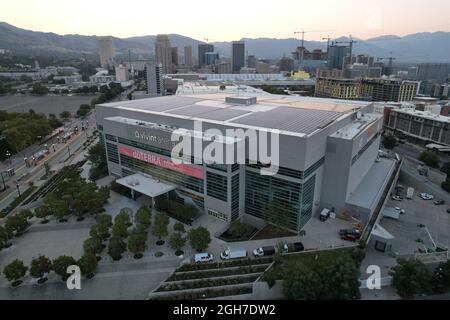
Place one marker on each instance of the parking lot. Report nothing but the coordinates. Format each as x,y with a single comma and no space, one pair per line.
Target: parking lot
409,230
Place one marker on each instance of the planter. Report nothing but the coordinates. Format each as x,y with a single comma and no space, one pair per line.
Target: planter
99,258
159,254
62,220
160,242
117,258
45,221
42,280
90,276
179,253
138,256
80,219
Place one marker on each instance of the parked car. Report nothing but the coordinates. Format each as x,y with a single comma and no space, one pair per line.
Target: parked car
426,196
324,215
397,198
203,257
298,247
264,251
235,253
350,237
448,210
350,232
402,211
439,202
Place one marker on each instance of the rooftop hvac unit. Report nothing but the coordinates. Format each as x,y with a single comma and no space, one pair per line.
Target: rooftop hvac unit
243,101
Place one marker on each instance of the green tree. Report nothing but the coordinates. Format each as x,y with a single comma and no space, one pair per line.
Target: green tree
199,238
65,115
97,156
120,230
389,142
88,265
137,244
39,89
124,216
411,277
61,264
15,271
143,216
302,283
40,266
430,159
159,228
441,278
179,227
4,237
100,231
16,223
43,212
177,242
104,218
92,246
116,247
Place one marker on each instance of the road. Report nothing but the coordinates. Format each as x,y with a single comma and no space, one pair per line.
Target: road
63,152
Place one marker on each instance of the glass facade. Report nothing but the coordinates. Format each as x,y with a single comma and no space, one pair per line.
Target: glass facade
112,152
217,186
177,178
297,174
235,197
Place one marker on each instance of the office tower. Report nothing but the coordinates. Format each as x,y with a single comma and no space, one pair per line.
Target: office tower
211,58
223,67
202,50
188,56
163,53
122,74
154,81
337,56
106,52
251,61
174,55
237,56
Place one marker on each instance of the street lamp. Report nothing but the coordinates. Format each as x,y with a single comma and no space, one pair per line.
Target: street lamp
18,188
8,154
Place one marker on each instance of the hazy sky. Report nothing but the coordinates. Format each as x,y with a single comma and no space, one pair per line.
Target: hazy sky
229,19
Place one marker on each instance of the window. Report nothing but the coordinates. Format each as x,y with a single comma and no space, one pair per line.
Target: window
112,152
216,186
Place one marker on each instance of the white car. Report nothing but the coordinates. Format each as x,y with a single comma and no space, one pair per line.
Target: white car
203,257
402,211
397,198
426,196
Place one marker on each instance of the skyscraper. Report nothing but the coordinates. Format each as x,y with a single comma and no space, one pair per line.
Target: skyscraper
202,50
174,54
337,56
237,56
251,61
106,52
211,58
188,56
154,81
163,53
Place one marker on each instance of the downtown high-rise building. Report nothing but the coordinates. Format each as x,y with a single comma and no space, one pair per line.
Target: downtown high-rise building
202,50
251,61
188,56
237,56
163,53
154,81
106,52
174,54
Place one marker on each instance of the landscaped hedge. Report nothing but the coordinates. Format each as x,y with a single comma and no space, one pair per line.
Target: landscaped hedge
206,283
207,294
216,273
227,264
23,196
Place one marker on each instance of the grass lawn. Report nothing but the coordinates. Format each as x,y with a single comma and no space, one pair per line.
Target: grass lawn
272,232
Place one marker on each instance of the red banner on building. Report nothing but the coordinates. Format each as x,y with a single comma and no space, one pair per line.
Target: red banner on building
162,162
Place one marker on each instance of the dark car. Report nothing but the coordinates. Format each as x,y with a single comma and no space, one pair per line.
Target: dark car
350,232
448,210
298,247
350,237
439,202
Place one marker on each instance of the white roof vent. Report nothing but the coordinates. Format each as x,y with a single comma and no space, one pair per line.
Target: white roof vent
242,101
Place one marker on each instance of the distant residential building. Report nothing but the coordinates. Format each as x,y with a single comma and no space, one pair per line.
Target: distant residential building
174,55
422,126
434,71
223,67
204,48
338,88
337,56
441,90
358,70
102,78
251,61
329,73
163,53
237,56
389,90
188,56
154,80
68,79
137,65
246,70
286,64
122,74
106,52
211,58
262,67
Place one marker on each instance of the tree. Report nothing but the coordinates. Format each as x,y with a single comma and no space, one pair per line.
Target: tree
137,244
143,216
43,212
88,264
104,218
61,264
15,271
177,242
65,115
97,156
39,89
302,283
411,277
430,159
39,267
16,223
116,247
4,237
100,231
124,216
199,238
179,227
159,228
120,230
441,278
389,142
92,246
47,169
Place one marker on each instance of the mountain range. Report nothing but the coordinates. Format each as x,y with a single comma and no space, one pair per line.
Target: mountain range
419,47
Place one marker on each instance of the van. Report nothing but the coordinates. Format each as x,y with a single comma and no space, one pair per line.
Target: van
203,257
324,215
236,253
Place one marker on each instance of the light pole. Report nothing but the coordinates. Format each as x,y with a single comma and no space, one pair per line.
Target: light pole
18,188
8,154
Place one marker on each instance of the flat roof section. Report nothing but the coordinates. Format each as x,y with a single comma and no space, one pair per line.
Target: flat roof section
145,184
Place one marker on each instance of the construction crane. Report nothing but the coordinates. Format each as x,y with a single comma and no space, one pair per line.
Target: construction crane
303,42
391,59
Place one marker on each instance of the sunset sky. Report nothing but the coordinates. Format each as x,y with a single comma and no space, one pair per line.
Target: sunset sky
229,19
